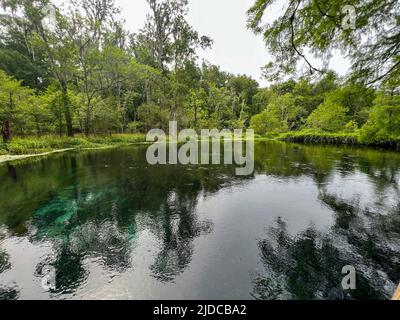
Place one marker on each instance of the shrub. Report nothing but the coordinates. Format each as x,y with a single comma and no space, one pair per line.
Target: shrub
266,123
135,127
328,117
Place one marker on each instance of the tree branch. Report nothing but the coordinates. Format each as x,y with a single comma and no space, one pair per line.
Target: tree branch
292,18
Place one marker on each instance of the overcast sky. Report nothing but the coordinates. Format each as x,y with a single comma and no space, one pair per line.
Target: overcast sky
235,48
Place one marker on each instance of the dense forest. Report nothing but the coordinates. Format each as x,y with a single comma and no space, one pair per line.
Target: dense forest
73,69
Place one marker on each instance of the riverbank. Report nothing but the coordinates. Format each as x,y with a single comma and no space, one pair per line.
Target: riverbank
9,158
351,139
22,148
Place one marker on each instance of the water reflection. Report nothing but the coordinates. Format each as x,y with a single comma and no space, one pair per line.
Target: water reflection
104,215
308,265
6,293
178,227
92,206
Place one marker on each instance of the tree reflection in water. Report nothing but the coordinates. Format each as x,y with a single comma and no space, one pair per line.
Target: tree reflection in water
110,240
309,265
91,210
99,215
180,227
6,293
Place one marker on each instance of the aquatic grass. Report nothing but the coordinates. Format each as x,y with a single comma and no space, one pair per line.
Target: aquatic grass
320,137
37,145
341,138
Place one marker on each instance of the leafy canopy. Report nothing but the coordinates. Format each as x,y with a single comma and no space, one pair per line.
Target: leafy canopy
307,28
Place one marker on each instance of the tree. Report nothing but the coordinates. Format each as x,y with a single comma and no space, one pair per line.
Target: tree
261,99
315,26
19,55
28,15
356,98
152,117
59,52
384,120
243,88
86,24
328,117
288,113
169,41
265,123
52,99
14,99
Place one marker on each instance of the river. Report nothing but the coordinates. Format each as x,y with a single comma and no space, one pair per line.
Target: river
106,225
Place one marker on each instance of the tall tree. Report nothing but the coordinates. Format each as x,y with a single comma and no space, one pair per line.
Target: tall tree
29,15
171,42
86,23
319,27
14,99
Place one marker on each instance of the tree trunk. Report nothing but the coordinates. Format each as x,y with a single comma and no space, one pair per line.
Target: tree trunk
88,119
195,116
147,90
6,132
66,107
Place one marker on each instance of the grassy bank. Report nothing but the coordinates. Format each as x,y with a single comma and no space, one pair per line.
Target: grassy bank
39,145
353,139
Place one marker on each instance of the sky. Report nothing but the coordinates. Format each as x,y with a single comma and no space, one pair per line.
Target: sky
236,49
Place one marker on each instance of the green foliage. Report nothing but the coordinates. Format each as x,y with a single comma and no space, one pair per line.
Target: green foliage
328,117
320,137
350,127
88,76
35,145
153,117
317,26
134,127
357,99
384,120
265,123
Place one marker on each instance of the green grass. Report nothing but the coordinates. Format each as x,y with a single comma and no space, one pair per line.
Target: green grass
341,138
37,145
320,137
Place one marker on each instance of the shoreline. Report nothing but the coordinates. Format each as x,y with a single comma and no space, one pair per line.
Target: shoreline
11,158
303,138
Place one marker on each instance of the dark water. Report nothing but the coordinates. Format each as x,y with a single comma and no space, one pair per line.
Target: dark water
113,227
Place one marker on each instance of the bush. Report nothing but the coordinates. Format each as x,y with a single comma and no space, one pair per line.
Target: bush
320,137
383,125
3,150
328,117
135,127
266,123
350,127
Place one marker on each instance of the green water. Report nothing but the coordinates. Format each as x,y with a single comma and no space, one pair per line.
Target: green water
111,226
